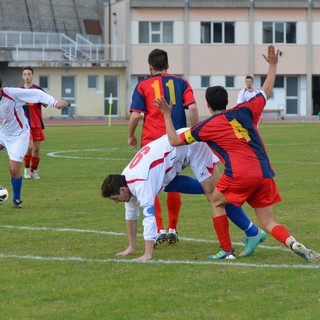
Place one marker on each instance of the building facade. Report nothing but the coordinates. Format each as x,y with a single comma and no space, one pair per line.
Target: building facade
209,42
220,42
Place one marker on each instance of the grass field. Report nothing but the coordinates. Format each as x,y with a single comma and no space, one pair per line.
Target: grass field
57,254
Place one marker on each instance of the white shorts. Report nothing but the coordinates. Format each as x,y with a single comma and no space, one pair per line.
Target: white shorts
204,162
16,145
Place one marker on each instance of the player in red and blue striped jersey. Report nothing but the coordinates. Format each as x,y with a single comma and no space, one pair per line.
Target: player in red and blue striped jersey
177,90
248,176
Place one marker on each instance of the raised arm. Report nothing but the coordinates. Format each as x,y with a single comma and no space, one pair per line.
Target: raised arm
272,59
193,114
174,139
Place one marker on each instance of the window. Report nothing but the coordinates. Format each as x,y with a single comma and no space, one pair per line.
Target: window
279,32
205,81
111,90
92,82
229,82
155,32
279,82
217,32
44,82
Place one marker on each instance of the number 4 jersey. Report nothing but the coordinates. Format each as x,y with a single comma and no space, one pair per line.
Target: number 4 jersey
234,137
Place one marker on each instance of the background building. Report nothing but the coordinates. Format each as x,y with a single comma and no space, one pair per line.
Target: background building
84,50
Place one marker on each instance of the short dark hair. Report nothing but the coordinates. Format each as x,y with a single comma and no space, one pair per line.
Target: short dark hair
158,59
249,77
111,185
217,98
28,68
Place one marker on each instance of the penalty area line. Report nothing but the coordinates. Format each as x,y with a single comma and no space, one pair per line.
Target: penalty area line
184,262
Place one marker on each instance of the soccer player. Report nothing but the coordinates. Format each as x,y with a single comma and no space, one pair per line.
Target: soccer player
15,130
248,92
34,115
154,169
248,176
179,91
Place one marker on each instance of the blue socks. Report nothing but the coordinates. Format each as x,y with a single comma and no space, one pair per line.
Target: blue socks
189,185
16,186
184,184
240,219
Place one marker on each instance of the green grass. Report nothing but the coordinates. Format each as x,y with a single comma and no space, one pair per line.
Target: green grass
51,270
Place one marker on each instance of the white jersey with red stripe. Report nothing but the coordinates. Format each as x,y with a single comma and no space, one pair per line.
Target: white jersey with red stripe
156,165
12,117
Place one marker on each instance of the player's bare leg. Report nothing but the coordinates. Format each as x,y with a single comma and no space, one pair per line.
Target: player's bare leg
126,252
148,252
132,229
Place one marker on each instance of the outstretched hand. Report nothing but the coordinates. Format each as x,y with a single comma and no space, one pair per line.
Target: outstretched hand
61,104
273,55
162,104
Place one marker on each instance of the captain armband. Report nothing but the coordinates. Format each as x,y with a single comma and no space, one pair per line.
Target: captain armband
188,137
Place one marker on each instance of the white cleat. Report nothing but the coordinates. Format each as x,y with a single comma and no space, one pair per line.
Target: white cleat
304,252
27,174
35,175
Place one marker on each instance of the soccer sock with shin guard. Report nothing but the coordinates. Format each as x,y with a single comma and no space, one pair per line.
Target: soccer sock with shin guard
16,186
221,226
173,206
240,219
158,213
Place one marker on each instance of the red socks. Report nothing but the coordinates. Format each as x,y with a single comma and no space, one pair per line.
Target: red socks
173,205
221,226
158,213
280,233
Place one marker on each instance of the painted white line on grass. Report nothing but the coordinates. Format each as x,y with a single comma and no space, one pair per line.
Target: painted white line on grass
189,262
60,154
125,234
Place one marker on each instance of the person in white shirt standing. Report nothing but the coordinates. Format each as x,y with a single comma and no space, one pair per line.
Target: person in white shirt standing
15,130
248,92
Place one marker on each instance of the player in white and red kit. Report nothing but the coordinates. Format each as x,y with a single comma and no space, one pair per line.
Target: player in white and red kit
154,169
15,130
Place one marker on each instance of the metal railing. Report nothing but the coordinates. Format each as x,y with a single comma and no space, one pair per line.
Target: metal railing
41,46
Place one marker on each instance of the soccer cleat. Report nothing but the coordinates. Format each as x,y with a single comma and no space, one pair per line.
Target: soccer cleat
223,255
34,175
172,236
27,174
17,204
161,237
303,251
251,243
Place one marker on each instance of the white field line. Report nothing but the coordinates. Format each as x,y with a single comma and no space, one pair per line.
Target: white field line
229,263
80,259
112,233
64,154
